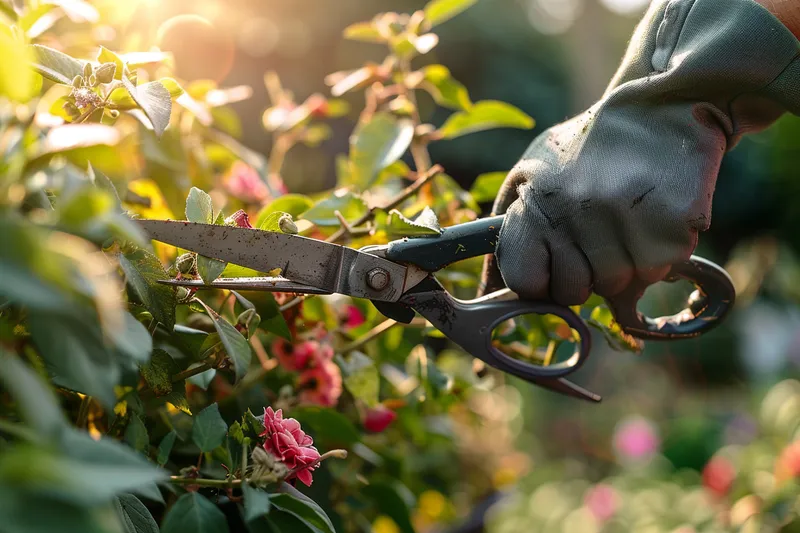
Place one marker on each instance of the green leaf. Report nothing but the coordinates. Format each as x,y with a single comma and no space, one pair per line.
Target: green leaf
256,502
331,428
203,379
178,397
305,510
602,319
155,100
36,403
438,11
484,115
123,100
209,428
194,513
134,515
199,208
159,371
165,447
487,186
388,501
90,367
361,377
209,268
235,344
103,468
351,206
376,144
102,182
56,66
363,31
294,204
269,221
133,339
17,81
107,56
446,90
142,271
425,224
136,434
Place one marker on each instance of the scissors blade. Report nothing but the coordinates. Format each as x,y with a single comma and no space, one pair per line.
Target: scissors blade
326,266
270,284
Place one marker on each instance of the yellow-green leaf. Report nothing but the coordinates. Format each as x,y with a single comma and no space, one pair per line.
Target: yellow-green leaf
487,186
363,31
376,144
438,11
17,81
446,90
349,205
55,65
425,224
485,115
107,56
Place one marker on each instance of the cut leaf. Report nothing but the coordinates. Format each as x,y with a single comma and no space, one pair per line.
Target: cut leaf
155,100
376,144
134,515
438,11
56,66
194,513
446,90
425,224
294,204
143,270
271,221
350,205
484,115
200,209
487,186
209,428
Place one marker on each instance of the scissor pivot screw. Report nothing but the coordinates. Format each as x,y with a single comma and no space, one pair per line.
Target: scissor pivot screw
378,279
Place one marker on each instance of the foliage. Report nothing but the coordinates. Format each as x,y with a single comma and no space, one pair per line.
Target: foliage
129,405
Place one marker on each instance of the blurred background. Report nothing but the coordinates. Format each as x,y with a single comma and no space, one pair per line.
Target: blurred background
667,414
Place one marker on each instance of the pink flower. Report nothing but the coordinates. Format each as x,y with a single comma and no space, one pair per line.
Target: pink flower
602,501
239,219
294,358
378,418
788,464
321,384
636,439
718,476
243,182
286,441
354,317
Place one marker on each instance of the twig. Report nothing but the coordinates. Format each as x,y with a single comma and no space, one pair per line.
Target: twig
368,336
199,369
398,199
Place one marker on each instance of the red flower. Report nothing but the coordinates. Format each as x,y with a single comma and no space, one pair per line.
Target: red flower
286,441
718,476
378,418
294,357
354,317
321,384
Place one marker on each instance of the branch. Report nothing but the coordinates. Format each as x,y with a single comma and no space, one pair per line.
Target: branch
368,336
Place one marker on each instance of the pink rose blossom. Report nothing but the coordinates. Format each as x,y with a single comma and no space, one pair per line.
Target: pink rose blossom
321,384
285,440
294,358
244,183
239,219
602,501
636,439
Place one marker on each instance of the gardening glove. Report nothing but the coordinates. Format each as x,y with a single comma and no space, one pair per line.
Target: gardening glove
620,192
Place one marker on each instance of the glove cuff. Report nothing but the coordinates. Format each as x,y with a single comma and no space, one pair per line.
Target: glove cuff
733,54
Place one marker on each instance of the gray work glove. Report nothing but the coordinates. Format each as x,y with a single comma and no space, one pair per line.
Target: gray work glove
621,191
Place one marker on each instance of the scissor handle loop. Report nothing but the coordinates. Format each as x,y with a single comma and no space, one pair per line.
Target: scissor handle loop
705,309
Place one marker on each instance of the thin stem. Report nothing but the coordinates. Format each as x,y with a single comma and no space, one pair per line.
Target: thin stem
83,411
199,369
85,115
335,454
370,335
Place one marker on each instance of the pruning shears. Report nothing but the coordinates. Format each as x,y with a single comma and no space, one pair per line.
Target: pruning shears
398,278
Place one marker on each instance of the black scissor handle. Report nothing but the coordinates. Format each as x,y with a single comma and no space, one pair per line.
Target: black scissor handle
705,309
469,323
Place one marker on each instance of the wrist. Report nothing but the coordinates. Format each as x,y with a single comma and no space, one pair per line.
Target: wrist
786,11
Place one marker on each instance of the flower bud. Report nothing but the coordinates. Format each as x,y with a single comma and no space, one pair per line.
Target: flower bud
77,81
87,69
105,73
248,321
113,113
186,263
287,225
378,419
93,80
239,219
183,294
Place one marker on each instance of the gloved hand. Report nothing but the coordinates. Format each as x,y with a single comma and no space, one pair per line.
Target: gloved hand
620,192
